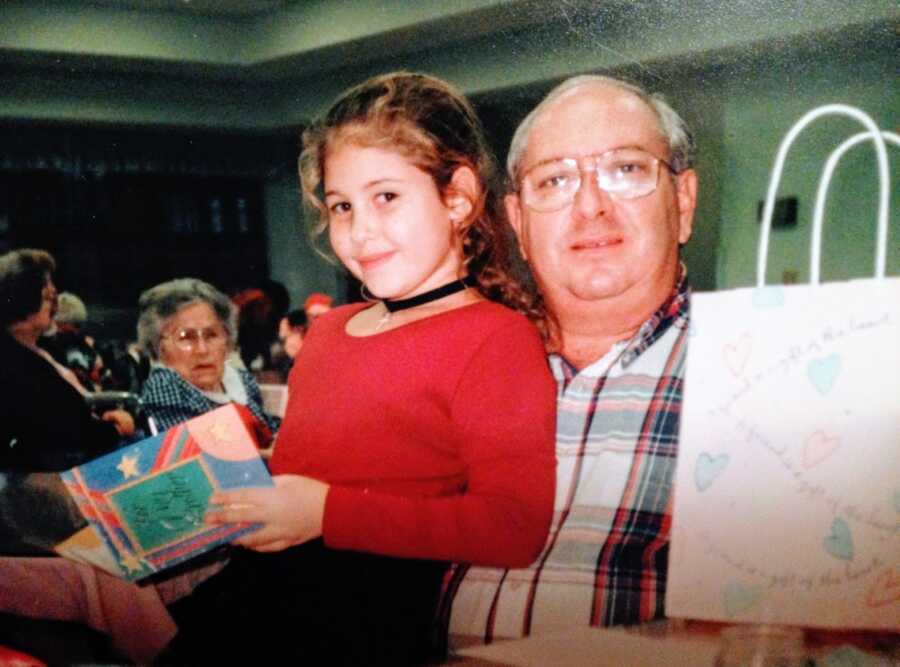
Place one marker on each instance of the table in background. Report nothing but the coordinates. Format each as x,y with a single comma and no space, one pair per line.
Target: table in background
673,643
274,397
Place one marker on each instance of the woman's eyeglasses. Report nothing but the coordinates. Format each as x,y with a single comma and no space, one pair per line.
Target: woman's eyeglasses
189,339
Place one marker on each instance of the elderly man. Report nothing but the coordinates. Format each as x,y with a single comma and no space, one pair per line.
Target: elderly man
603,198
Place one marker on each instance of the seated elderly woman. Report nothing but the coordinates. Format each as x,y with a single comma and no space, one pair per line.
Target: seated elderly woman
45,423
188,327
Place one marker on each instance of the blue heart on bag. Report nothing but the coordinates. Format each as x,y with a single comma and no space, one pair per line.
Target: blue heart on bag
768,297
840,542
708,468
823,372
738,598
846,656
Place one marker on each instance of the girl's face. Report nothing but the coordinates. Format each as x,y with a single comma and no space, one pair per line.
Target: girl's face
388,223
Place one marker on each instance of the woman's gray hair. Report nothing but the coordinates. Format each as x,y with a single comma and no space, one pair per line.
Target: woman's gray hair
158,304
70,309
671,125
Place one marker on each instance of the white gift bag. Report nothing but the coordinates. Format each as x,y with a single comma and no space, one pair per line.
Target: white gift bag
787,491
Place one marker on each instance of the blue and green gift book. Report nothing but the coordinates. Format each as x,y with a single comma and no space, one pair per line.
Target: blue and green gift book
144,504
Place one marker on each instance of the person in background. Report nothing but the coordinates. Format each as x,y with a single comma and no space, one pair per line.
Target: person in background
603,197
410,438
71,313
188,328
279,297
71,349
291,330
45,424
255,330
124,367
316,304
67,343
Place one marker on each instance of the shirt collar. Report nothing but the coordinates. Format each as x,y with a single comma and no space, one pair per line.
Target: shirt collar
673,311
231,381
234,388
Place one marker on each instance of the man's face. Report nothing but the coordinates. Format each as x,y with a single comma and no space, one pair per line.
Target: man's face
598,247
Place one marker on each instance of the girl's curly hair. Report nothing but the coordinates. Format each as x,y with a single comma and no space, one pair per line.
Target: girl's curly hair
433,126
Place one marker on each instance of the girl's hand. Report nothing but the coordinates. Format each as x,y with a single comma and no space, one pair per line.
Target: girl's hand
291,512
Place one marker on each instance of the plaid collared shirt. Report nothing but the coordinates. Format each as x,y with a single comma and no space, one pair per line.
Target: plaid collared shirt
170,399
606,555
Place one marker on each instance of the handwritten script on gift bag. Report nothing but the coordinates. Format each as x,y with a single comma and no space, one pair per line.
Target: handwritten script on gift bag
788,498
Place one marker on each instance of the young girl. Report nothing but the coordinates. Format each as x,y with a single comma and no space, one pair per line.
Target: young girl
420,426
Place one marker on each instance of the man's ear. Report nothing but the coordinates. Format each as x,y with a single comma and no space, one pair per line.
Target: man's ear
461,194
686,193
514,214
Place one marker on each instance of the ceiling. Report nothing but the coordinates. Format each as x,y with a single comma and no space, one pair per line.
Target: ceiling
248,39
205,7
209,62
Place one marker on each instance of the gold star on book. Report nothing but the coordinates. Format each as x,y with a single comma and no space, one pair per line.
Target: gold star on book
128,466
131,563
220,431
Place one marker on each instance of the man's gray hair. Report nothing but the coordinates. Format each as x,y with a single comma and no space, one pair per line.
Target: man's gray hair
671,125
161,302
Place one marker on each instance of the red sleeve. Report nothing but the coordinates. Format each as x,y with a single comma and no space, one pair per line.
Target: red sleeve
505,409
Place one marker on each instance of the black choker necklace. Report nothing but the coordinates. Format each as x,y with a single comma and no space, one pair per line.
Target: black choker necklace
393,305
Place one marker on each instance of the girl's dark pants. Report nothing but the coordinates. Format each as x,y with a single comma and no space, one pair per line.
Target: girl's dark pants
309,605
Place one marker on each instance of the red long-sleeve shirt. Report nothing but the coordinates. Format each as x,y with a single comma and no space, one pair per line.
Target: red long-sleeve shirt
437,437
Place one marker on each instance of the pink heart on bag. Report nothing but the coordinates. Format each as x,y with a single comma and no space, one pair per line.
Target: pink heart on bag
736,355
885,589
819,447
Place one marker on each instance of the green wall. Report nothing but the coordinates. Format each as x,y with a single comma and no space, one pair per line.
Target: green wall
759,110
292,259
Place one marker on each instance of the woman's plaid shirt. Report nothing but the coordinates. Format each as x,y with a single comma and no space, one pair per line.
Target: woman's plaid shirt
606,555
170,399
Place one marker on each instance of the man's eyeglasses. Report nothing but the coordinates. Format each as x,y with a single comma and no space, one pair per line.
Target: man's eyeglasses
188,339
625,173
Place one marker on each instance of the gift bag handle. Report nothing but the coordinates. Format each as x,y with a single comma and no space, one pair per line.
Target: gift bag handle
821,195
881,151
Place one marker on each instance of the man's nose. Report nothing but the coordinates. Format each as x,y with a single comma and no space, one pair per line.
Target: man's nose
591,200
